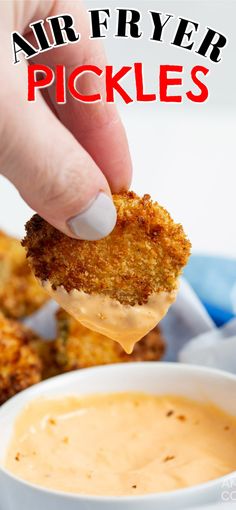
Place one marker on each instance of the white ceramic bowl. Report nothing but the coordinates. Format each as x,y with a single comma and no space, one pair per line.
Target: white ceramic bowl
195,382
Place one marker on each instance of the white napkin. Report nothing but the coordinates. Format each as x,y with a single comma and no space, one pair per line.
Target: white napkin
216,348
43,321
186,319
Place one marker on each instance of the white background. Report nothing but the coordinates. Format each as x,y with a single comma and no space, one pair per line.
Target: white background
183,155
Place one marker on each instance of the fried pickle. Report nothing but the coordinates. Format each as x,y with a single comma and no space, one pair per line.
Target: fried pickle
46,351
20,364
20,293
143,255
78,347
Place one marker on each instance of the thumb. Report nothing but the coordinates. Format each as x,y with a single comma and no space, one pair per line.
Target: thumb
52,172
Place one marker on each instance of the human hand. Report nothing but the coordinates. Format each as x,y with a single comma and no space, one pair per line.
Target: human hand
64,159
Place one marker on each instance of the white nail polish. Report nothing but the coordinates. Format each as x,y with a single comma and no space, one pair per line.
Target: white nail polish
97,221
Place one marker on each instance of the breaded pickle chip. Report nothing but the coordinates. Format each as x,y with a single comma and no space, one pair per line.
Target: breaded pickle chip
20,363
143,255
20,293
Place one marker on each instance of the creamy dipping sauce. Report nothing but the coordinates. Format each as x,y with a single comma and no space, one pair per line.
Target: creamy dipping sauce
123,323
121,444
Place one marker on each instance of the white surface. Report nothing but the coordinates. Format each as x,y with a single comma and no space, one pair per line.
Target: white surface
158,378
186,161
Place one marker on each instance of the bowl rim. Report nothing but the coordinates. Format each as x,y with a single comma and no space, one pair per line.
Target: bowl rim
170,495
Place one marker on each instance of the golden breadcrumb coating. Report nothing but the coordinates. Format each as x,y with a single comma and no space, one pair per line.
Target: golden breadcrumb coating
145,253
46,350
20,365
20,293
79,347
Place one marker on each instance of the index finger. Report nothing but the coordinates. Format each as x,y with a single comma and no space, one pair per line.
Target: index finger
97,126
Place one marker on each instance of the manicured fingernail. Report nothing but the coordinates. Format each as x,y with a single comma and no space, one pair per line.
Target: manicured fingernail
97,221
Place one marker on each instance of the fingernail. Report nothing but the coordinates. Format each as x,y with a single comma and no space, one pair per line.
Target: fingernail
97,221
